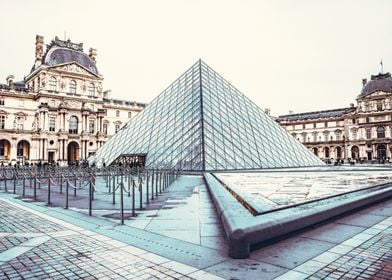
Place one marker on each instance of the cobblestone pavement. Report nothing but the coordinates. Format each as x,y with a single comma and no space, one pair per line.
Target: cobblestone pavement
367,255
34,246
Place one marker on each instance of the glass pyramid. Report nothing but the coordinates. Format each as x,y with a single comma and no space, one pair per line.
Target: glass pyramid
202,122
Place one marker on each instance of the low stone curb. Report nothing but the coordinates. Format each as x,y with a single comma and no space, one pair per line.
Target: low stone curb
243,229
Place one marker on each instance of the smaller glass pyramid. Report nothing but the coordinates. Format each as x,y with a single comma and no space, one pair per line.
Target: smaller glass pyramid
201,122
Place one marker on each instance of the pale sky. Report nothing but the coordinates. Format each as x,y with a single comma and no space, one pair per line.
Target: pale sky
304,55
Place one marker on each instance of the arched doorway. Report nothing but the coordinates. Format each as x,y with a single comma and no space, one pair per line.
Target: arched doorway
338,152
326,152
5,148
73,152
315,151
23,151
381,152
354,152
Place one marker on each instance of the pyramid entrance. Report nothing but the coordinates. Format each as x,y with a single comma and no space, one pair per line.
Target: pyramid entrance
201,122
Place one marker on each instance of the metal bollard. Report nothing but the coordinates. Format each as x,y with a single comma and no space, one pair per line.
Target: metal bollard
133,198
24,187
75,185
48,189
140,193
152,185
114,192
35,188
156,183
66,194
147,179
122,199
90,196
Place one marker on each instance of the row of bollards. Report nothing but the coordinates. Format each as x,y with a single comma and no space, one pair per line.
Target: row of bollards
118,180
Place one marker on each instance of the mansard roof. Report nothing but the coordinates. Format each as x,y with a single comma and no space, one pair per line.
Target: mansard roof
61,52
380,82
334,113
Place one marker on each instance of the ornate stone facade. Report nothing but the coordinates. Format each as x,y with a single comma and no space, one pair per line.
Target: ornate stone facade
59,112
361,133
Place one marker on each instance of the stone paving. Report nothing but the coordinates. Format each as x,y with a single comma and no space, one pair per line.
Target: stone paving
68,252
367,255
37,242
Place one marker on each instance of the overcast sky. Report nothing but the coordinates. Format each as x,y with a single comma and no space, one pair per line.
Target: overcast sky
304,55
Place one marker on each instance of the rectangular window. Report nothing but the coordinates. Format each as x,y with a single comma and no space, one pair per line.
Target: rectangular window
379,105
117,128
314,125
19,123
1,100
368,133
117,113
52,123
91,126
325,124
303,126
105,128
2,122
129,115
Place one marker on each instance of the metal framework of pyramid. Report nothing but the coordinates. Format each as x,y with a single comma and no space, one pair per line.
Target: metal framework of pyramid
201,122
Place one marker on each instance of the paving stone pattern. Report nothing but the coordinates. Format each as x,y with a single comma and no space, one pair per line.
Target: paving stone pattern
69,254
75,257
371,260
13,219
7,242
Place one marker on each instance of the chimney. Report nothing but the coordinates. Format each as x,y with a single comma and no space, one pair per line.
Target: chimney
106,94
267,111
10,80
351,105
364,81
93,55
291,112
39,50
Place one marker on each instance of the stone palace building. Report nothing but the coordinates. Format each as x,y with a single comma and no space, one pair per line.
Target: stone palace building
59,112
362,132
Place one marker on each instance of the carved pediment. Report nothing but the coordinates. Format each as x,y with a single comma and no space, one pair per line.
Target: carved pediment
21,114
74,68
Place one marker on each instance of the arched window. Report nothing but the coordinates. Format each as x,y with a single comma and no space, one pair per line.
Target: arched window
91,90
326,152
53,83
72,86
73,125
380,132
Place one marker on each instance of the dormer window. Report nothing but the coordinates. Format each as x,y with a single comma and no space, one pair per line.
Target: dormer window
379,105
72,86
91,90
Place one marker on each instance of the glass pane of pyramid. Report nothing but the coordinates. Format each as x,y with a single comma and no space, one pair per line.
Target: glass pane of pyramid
202,122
